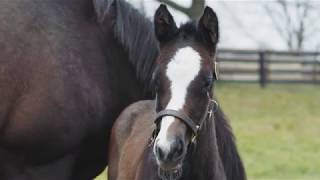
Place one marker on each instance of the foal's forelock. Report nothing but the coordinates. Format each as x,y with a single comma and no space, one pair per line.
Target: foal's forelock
181,70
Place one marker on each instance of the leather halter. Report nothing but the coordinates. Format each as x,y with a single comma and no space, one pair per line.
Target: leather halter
178,114
211,108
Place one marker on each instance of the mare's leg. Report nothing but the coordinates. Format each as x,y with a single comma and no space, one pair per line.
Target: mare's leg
15,167
11,167
113,157
92,158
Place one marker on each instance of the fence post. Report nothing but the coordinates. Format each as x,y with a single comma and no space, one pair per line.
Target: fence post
316,71
262,69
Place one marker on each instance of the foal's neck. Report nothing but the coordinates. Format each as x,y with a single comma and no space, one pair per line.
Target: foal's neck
205,162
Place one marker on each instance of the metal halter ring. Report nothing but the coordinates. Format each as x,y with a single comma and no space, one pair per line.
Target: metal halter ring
215,106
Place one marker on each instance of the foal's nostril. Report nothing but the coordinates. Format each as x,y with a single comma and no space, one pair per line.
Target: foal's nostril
176,150
174,153
159,153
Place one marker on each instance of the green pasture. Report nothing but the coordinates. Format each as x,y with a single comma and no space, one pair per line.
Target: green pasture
277,129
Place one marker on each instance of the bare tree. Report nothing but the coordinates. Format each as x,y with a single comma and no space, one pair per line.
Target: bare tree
193,12
294,21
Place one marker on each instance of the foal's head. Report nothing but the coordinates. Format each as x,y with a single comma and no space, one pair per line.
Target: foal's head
183,79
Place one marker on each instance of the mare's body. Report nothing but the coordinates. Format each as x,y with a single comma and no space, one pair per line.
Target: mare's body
64,78
63,81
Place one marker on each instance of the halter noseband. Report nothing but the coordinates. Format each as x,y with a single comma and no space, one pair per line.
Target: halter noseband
211,108
180,115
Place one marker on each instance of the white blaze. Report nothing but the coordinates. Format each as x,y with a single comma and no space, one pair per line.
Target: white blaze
181,71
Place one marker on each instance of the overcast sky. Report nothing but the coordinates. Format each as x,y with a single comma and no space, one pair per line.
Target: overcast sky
244,24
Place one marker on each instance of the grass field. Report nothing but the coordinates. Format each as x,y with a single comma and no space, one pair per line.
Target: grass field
277,128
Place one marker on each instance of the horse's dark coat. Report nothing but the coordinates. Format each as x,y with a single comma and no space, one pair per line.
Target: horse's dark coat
64,78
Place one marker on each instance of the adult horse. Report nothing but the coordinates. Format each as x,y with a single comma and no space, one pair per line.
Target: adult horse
184,143
67,69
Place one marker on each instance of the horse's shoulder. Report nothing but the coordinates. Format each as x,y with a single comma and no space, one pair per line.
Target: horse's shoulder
135,111
133,123
138,108
132,115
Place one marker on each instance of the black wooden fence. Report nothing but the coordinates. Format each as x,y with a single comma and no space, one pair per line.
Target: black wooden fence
268,66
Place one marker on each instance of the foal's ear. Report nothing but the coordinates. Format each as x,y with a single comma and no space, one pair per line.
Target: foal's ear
209,26
165,26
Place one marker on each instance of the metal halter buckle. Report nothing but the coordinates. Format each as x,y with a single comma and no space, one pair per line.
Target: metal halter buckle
212,106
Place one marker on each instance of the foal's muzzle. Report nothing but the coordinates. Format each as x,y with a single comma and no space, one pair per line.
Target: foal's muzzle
173,157
171,153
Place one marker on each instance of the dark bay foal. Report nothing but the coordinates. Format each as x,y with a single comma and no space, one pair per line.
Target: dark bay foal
132,157
173,137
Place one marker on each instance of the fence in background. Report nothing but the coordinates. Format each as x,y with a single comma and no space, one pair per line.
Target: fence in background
265,67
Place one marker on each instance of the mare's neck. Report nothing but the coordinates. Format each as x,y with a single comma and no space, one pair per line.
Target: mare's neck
205,162
134,32
82,8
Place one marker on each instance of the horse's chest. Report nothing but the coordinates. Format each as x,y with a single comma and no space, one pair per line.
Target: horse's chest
50,123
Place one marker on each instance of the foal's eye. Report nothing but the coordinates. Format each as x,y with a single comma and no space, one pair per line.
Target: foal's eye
156,85
155,78
208,82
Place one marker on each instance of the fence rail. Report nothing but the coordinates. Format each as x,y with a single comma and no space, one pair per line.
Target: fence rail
269,66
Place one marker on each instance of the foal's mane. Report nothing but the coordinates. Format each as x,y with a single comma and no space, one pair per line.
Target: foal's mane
134,32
